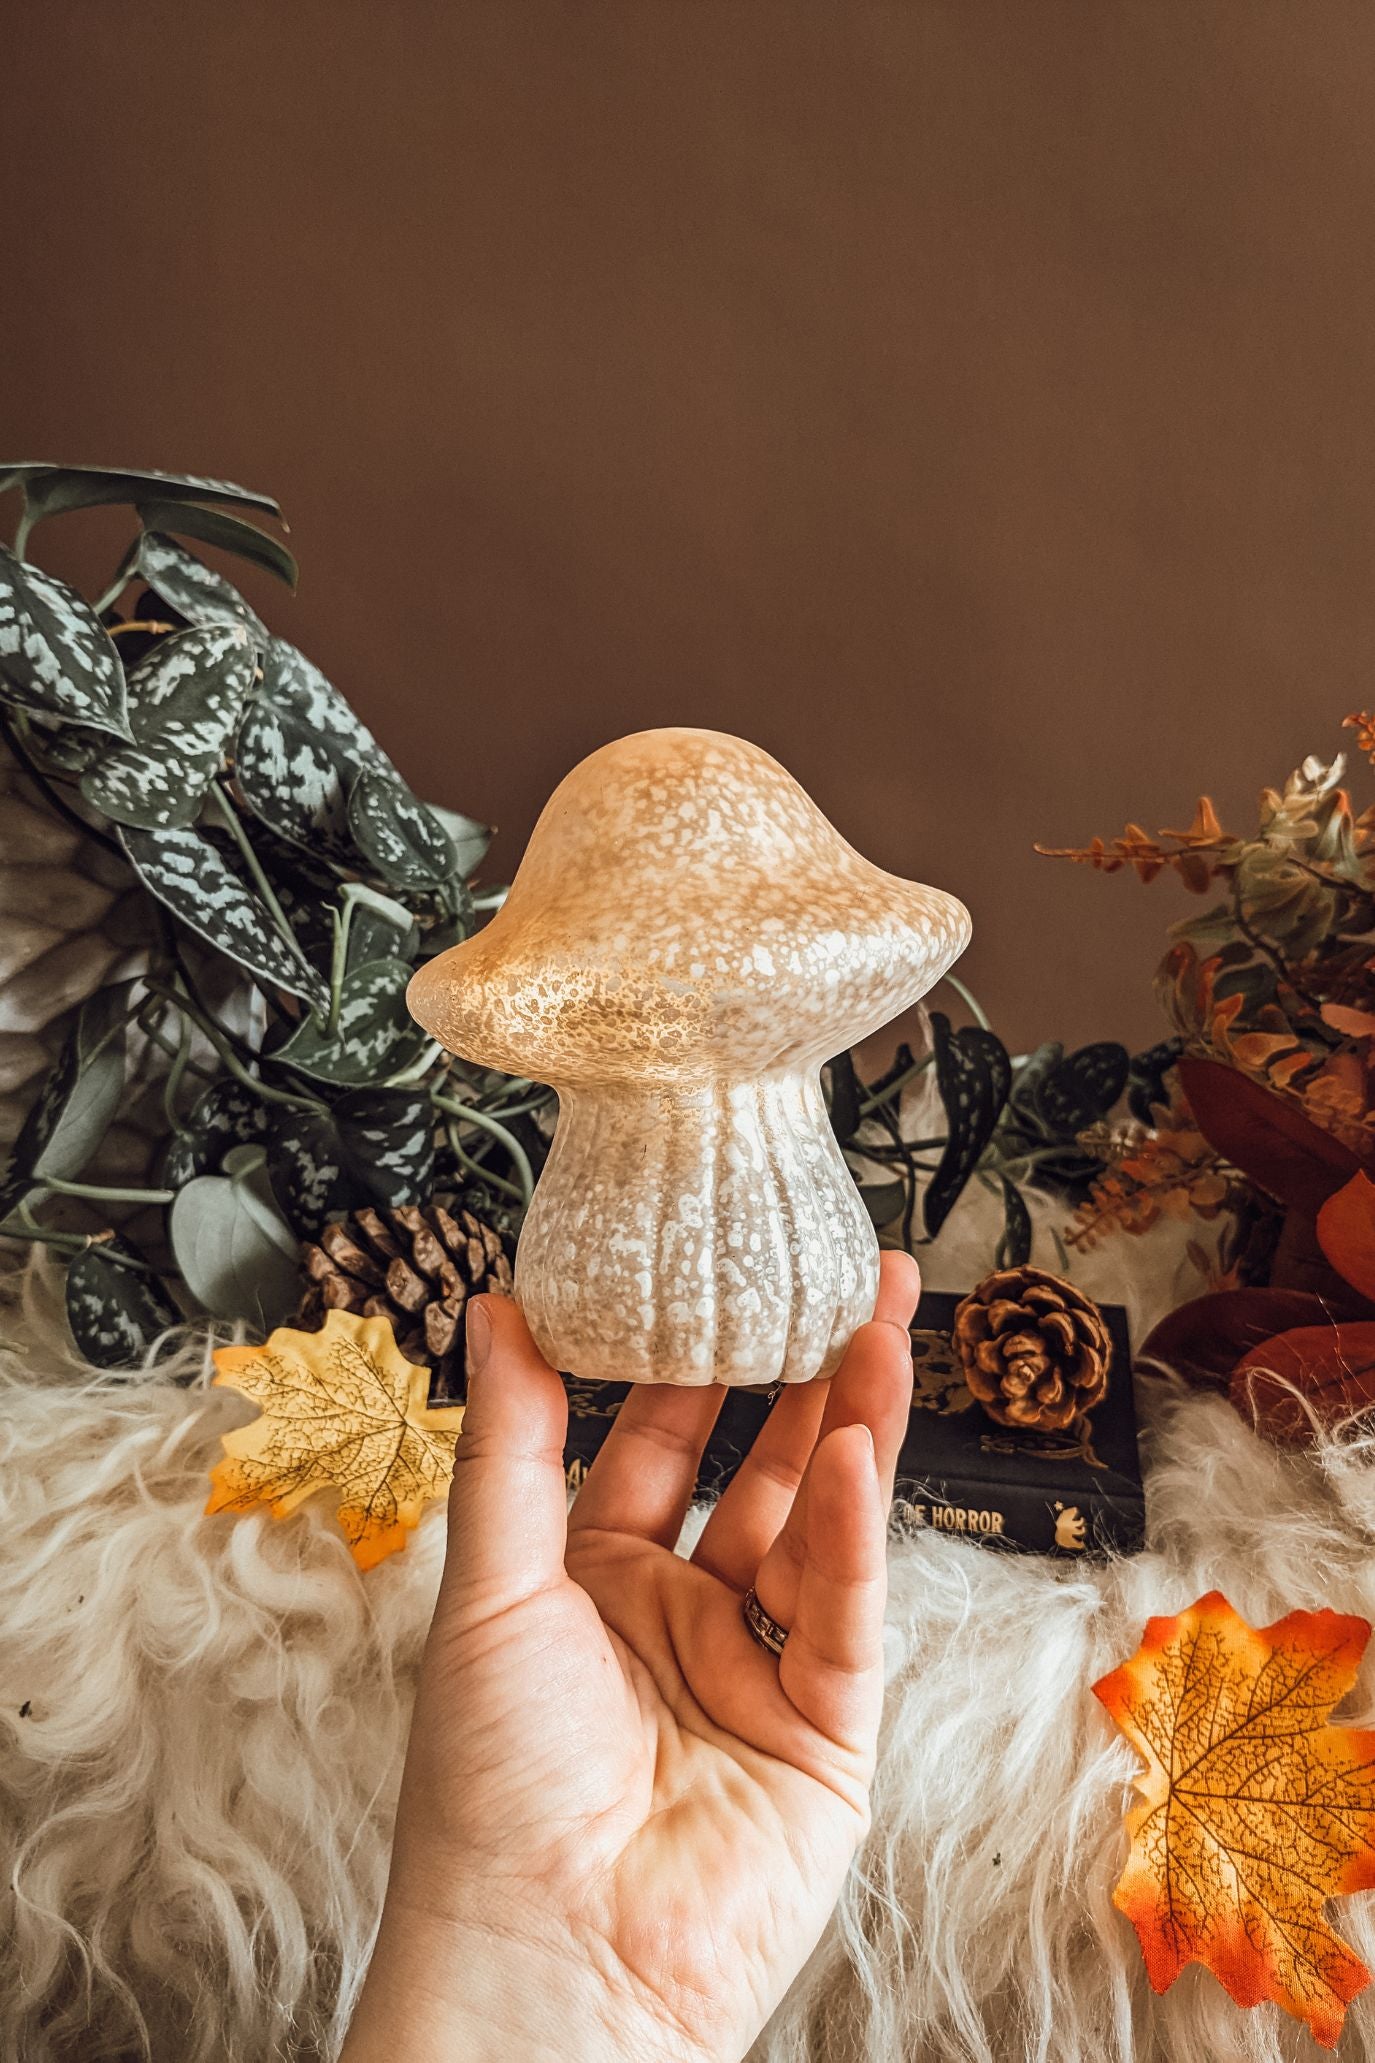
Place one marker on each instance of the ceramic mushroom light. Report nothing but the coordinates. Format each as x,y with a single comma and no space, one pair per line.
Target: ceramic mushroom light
686,941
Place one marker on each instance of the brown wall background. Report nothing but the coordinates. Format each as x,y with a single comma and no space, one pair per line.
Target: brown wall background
969,401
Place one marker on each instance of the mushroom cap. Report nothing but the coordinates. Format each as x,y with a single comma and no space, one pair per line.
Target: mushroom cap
683,909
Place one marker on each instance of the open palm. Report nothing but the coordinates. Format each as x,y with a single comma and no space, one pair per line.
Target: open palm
628,1820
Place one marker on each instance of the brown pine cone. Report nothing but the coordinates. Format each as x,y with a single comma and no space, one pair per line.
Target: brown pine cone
418,1267
1034,1348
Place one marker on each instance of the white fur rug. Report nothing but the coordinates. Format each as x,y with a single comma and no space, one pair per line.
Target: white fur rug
202,1724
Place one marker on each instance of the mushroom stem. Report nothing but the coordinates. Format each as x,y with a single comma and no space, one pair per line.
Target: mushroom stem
707,1231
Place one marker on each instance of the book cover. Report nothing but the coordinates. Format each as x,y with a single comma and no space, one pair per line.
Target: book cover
1071,1493
1065,1494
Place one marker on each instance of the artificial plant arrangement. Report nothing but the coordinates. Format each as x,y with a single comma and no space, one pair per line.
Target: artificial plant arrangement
1268,1109
235,885
1009,1123
268,883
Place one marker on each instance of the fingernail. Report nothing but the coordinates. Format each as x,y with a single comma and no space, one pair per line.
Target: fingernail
478,1334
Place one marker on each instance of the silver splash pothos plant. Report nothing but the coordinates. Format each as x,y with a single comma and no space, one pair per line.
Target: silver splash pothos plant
292,882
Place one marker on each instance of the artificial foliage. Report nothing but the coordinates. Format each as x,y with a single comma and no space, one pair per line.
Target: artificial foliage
1266,1114
277,883
280,884
1009,1124
1253,1809
340,1410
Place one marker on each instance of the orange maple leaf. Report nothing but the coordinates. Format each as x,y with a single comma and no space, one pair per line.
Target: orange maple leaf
1253,1809
342,1410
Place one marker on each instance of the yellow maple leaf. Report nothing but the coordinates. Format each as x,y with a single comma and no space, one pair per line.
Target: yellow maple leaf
341,1409
1253,1809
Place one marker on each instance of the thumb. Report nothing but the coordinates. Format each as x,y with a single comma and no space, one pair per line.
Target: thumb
508,1502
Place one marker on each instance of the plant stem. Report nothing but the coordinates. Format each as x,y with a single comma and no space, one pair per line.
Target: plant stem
338,962
93,1193
254,865
504,1110
971,1003
408,1077
26,522
172,1080
122,630
466,1114
466,1160
76,1243
1262,945
510,1085
70,1241
220,1041
111,595
894,1088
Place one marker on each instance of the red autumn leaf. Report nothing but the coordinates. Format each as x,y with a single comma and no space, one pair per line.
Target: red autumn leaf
1266,1137
1316,1374
1203,1341
1346,1233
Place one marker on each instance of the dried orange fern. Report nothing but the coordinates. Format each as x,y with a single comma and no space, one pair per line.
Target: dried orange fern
1197,855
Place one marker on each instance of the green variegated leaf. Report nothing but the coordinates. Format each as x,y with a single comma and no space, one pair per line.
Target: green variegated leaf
77,1102
295,777
229,533
64,748
184,700
50,490
376,916
399,834
189,588
227,1115
1082,1087
375,937
376,1146
299,748
974,1074
468,838
305,890
388,1137
55,656
192,879
237,1255
115,1312
376,1035
305,1160
457,922
294,684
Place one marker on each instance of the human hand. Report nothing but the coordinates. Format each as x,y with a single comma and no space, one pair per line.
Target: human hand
623,1824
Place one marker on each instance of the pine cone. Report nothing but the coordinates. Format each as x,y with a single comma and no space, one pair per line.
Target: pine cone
1034,1348
417,1267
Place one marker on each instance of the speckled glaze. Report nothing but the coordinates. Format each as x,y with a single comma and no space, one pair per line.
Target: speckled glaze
686,941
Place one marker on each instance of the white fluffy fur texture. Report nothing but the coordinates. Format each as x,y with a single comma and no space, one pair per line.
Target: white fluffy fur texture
202,1723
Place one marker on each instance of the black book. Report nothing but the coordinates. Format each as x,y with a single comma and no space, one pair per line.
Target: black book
1065,1494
